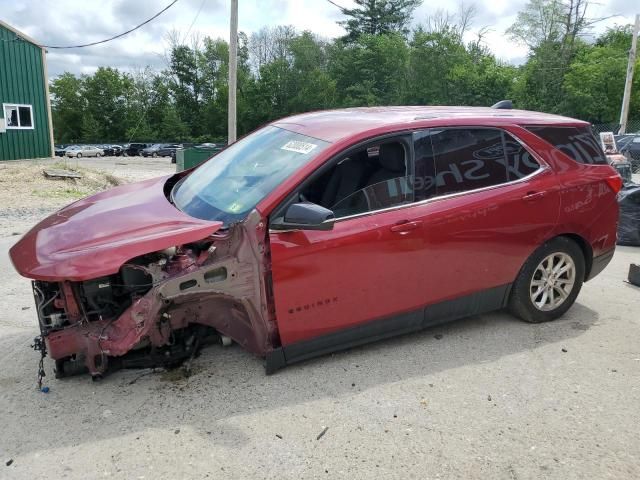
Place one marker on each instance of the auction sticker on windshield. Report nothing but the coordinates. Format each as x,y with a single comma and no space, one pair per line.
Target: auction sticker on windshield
298,146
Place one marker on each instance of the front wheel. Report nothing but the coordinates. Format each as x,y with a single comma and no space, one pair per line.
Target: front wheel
549,281
98,155
79,155
155,155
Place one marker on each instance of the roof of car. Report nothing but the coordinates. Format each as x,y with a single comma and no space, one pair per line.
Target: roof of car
334,125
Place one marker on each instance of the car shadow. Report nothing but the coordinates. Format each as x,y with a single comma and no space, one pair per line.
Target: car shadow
228,382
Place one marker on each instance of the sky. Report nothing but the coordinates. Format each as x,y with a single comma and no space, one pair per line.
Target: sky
69,22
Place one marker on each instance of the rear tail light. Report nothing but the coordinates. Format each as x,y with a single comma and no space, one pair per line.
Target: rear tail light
614,182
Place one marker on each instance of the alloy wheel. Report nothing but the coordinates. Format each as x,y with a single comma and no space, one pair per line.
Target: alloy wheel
552,281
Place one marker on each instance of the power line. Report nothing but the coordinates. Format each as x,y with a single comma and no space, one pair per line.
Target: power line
336,5
194,19
116,36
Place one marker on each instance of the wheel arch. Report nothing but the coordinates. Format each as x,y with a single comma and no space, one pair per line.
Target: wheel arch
586,249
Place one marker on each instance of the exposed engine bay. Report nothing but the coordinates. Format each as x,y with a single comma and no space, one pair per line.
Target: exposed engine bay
160,308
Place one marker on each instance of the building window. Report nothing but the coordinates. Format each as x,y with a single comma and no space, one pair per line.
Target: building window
18,116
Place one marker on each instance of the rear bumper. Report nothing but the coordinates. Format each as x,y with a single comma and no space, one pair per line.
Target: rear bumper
599,263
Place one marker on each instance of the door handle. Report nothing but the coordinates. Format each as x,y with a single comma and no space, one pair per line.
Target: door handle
406,226
531,196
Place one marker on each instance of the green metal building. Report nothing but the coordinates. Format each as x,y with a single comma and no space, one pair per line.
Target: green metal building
25,114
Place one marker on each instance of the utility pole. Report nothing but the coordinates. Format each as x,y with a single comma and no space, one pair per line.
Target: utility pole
624,113
233,72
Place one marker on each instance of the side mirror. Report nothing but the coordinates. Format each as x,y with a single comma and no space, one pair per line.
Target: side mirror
305,216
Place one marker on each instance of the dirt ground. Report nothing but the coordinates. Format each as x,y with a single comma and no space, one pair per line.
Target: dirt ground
39,196
487,397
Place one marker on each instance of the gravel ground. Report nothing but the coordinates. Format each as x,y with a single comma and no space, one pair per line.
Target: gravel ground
486,397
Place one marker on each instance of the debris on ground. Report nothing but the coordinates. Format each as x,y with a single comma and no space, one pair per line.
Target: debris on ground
438,336
279,436
324,430
634,274
564,350
60,173
489,397
629,218
9,462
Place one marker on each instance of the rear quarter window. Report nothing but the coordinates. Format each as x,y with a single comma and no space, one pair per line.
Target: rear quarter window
579,143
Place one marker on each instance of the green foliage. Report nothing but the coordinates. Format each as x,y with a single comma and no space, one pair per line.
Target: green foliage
371,70
282,72
378,17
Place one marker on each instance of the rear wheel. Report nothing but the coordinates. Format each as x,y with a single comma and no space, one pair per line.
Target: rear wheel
155,155
549,281
98,155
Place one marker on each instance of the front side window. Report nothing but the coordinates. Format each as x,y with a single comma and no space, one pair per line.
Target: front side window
18,116
373,177
579,143
228,186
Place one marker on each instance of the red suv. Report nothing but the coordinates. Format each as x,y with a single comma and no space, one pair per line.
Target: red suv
326,230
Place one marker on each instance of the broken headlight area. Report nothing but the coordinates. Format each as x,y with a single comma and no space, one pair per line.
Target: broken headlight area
158,310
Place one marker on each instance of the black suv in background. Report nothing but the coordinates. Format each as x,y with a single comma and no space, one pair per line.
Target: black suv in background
133,149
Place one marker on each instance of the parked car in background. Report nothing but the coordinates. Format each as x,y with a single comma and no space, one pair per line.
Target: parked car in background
212,146
112,150
327,230
84,151
159,150
60,150
181,146
169,150
133,149
629,146
616,159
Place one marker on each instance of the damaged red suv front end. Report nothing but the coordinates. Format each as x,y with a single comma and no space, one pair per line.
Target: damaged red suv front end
324,231
124,278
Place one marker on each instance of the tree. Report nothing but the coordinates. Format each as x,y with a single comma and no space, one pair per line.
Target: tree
371,70
68,104
540,22
594,82
378,17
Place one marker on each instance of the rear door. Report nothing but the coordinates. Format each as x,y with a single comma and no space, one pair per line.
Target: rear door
488,205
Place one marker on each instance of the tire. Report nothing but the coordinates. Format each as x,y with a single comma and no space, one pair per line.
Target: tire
98,155
79,155
155,155
537,298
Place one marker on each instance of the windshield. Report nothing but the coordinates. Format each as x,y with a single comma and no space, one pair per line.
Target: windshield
232,183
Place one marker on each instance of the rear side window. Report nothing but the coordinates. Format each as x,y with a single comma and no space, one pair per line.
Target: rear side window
520,163
578,143
454,160
467,159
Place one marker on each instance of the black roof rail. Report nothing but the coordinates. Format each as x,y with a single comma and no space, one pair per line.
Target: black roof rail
503,105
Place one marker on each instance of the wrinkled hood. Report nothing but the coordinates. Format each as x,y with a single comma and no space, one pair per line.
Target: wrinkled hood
94,236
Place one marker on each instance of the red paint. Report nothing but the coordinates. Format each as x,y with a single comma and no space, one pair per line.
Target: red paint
368,267
93,237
